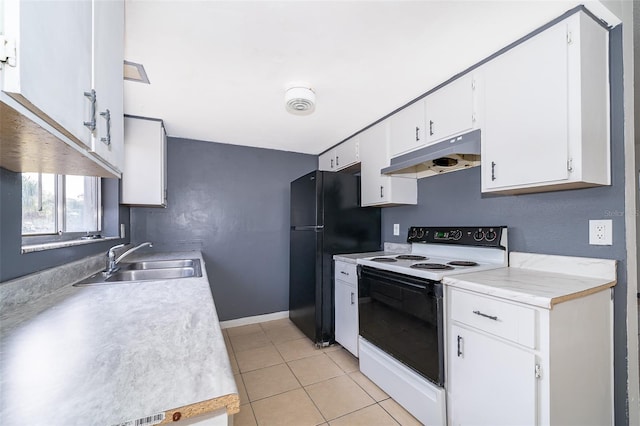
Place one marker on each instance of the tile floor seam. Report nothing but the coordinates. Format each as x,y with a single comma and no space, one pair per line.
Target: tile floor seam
360,409
389,413
315,405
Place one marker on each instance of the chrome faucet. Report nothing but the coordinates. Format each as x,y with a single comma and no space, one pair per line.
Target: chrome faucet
112,261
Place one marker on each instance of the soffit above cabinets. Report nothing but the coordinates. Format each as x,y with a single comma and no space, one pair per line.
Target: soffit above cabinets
219,69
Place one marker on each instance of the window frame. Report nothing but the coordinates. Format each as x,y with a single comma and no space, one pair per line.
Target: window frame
60,234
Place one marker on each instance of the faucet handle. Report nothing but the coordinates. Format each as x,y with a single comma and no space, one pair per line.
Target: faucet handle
111,253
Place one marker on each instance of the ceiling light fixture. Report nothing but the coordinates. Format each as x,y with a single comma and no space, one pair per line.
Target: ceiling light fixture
300,100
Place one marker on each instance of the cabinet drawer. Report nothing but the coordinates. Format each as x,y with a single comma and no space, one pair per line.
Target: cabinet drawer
506,320
346,272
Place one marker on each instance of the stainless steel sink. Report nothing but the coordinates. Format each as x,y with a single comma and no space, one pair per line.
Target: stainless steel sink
161,264
151,270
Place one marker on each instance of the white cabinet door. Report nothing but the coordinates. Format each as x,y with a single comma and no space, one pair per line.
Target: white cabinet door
378,189
491,382
525,138
450,110
407,129
346,316
347,153
326,161
144,178
53,69
108,139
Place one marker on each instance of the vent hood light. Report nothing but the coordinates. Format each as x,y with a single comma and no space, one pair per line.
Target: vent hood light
457,153
135,72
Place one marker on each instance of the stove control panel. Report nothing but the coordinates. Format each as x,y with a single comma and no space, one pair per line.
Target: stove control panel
490,236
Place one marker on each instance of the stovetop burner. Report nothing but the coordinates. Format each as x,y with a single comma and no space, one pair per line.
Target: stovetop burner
431,266
462,263
411,257
384,259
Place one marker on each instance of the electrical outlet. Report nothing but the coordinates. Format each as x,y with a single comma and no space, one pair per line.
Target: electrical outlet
396,229
601,232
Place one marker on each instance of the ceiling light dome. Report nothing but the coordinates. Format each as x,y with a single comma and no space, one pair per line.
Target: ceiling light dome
300,100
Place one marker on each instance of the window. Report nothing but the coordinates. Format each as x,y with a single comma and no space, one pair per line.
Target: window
66,206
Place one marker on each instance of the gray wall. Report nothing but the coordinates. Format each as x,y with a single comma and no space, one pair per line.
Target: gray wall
232,203
551,223
13,264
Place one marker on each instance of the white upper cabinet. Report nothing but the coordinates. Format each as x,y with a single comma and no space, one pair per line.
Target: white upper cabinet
108,139
326,161
407,131
67,70
451,110
340,157
546,116
347,153
377,189
52,62
144,178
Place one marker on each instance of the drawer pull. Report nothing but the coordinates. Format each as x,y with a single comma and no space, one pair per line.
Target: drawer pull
485,315
344,273
460,341
352,301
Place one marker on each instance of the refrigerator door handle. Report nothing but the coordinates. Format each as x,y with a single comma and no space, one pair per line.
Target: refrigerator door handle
316,228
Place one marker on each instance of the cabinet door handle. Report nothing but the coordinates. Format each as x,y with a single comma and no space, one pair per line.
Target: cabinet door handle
493,171
460,343
91,125
107,117
417,133
430,128
352,298
491,317
332,163
381,191
344,273
337,161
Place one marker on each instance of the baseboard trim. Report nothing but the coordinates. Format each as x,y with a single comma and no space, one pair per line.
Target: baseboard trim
254,320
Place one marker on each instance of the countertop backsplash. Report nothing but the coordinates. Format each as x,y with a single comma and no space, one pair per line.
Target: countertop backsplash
26,289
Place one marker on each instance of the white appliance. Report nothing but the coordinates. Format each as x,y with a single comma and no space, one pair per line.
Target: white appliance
400,297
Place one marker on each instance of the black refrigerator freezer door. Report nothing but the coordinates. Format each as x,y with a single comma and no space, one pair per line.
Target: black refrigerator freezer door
305,291
306,200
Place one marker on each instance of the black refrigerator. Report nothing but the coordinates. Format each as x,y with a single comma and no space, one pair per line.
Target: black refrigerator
326,219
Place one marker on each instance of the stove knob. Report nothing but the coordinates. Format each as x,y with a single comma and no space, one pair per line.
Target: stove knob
478,235
413,233
491,235
420,232
456,234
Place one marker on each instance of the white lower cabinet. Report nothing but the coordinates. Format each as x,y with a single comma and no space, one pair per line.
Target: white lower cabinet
346,306
515,364
493,381
144,178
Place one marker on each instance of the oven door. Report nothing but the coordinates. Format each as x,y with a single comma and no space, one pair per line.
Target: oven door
402,315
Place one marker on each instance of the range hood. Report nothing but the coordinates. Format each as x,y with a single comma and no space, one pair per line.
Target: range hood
460,152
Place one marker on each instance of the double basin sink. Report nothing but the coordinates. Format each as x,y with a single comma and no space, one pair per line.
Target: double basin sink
148,270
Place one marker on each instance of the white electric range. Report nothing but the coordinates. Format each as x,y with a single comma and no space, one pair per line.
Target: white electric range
400,309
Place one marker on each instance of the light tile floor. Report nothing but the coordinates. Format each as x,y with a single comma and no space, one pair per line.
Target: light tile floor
284,380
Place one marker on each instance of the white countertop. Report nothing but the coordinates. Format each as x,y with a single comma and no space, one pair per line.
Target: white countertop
534,279
107,354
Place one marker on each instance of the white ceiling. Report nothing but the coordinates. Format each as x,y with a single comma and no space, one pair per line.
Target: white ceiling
219,69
